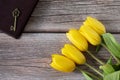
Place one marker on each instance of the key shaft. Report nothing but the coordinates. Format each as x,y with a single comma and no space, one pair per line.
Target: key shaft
15,14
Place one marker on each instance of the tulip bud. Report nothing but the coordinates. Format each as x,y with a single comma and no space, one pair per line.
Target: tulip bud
107,68
90,35
73,53
77,39
62,63
95,25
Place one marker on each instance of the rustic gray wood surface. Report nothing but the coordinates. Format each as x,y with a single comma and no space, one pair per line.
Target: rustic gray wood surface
28,58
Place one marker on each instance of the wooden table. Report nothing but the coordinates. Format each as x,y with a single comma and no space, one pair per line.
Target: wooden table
28,58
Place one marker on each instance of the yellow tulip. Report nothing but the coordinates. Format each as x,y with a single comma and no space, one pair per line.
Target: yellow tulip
61,63
77,39
90,35
95,25
73,53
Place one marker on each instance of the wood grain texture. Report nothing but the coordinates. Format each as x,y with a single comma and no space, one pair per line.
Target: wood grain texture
28,58
60,15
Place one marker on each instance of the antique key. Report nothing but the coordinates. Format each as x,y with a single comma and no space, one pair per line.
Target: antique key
15,14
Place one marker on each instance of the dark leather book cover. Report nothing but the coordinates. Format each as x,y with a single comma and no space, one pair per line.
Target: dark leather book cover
14,15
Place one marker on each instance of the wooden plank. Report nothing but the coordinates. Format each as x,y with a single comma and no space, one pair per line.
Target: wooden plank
60,15
89,1
55,25
28,58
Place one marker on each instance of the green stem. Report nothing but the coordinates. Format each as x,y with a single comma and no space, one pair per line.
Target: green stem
92,75
94,69
117,60
98,60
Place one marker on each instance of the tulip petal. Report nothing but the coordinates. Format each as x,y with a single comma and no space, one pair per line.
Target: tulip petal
62,63
95,25
90,35
73,53
77,39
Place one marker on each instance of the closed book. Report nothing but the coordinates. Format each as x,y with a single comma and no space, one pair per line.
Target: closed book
14,15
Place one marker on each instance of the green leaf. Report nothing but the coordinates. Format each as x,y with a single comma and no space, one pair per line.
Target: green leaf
98,48
86,76
113,76
115,66
107,69
112,44
109,61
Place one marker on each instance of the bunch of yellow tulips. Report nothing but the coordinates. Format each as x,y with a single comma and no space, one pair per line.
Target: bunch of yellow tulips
72,54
